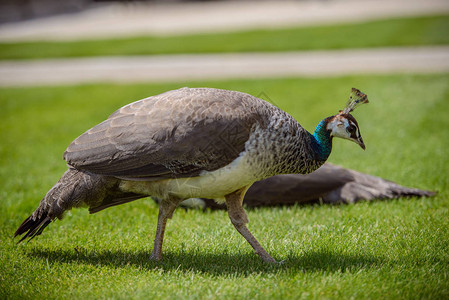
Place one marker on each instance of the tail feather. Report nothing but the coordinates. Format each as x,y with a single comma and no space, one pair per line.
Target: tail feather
32,227
74,189
113,200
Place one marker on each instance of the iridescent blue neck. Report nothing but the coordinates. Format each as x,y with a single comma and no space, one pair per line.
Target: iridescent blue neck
322,141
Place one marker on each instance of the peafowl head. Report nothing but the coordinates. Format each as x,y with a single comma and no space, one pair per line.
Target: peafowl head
344,125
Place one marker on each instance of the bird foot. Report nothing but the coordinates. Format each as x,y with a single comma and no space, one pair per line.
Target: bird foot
280,263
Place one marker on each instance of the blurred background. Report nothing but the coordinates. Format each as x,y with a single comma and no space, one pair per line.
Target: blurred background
19,10
128,41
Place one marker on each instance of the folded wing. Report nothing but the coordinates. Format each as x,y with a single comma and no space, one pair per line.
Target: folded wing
176,134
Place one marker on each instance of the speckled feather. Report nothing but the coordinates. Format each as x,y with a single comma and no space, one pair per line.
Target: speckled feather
184,132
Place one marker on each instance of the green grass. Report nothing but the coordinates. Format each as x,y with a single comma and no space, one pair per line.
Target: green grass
384,33
387,249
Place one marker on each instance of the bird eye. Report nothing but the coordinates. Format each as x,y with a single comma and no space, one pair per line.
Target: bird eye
351,129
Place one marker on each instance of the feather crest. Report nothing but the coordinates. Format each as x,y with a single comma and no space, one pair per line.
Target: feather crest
355,99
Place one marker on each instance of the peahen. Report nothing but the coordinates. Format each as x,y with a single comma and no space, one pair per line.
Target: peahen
189,143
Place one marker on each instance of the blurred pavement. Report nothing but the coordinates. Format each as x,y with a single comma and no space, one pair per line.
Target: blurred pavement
136,19
159,68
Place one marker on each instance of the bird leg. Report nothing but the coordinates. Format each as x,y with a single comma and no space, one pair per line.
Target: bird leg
166,209
239,219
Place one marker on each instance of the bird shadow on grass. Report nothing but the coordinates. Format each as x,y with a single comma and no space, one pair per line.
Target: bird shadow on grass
213,264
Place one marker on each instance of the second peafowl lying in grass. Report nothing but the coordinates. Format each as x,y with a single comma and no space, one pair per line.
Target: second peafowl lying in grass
189,143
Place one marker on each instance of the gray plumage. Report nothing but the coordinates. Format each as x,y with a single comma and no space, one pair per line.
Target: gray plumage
184,132
187,143
176,134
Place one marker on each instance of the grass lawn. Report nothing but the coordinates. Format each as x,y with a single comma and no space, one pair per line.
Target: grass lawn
386,249
384,33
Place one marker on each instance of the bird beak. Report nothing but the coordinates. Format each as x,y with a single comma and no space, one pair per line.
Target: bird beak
361,143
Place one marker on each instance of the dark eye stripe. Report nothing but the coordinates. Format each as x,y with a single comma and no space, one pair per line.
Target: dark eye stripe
353,130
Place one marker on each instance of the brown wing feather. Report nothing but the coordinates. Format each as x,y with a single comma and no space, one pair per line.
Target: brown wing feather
176,134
